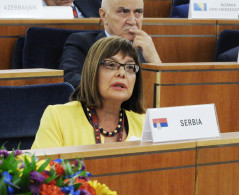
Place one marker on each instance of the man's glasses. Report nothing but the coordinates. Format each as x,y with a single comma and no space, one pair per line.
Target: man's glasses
112,65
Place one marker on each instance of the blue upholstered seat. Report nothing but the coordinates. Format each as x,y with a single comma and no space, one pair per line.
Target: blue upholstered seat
21,108
43,47
17,53
179,9
227,46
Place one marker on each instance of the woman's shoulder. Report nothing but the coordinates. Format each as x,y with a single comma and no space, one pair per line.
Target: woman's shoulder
67,106
134,115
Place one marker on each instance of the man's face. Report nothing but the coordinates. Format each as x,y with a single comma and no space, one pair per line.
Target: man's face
121,16
58,2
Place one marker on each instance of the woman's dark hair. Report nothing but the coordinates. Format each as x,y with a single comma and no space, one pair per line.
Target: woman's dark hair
87,92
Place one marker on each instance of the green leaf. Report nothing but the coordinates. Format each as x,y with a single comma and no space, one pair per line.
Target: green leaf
3,187
26,193
18,146
67,167
60,182
76,186
44,165
50,179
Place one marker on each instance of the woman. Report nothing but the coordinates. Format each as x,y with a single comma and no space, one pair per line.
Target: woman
106,107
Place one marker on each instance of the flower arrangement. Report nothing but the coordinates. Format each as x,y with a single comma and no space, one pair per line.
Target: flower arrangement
23,174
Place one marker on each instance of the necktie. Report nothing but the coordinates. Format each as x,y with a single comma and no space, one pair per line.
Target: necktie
74,12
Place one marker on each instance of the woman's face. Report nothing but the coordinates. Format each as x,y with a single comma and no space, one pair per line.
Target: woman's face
116,85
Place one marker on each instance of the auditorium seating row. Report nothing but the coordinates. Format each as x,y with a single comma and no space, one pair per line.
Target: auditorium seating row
21,109
176,40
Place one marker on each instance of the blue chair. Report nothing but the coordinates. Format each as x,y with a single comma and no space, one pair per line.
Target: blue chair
21,108
179,9
42,47
17,53
227,46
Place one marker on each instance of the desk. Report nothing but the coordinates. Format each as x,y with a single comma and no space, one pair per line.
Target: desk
176,40
227,24
179,84
18,77
157,8
182,40
208,166
11,29
217,165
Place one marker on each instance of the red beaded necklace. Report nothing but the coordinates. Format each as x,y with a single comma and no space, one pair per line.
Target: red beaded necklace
98,130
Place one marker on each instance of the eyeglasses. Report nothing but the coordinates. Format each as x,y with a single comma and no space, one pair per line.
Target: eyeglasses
112,65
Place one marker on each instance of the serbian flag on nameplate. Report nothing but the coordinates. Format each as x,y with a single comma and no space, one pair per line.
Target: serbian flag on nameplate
180,123
160,122
214,9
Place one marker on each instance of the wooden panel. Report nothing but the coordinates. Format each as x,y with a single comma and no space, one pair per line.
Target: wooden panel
227,24
218,179
173,182
19,27
10,30
220,166
216,76
179,85
146,161
6,52
149,79
183,40
185,49
218,154
137,162
207,166
157,8
32,81
173,26
19,30
224,96
20,77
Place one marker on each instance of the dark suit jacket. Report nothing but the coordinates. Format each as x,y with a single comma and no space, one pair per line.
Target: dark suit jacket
74,53
229,56
88,8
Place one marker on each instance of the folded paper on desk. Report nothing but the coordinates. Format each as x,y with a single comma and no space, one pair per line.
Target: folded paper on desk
181,123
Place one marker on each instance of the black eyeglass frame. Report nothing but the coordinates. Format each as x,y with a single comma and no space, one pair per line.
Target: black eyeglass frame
136,66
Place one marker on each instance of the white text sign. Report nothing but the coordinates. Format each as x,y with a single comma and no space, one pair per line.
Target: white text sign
180,123
21,9
215,9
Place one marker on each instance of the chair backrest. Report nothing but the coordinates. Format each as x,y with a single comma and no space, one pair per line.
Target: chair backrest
17,53
21,108
228,39
42,47
179,9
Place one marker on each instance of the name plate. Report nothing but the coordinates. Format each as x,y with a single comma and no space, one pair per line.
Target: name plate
58,12
180,123
214,9
21,9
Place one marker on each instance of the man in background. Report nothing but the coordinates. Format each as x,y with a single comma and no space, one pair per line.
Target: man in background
121,18
81,8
